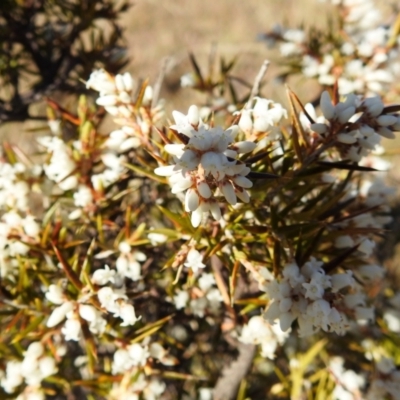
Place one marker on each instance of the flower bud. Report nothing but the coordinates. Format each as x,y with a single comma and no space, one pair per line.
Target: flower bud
59,314
192,200
193,116
229,193
386,120
326,105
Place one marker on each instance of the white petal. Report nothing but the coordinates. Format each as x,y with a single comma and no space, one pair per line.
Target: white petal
166,170
243,181
386,120
374,106
286,320
346,114
204,190
245,123
174,149
108,100
128,81
346,138
125,98
192,200
386,132
196,218
59,314
245,146
119,83
181,185
261,124
229,192
193,115
319,128
87,312
243,195
326,105
215,211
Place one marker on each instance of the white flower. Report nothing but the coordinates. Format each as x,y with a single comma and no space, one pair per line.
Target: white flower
127,313
101,81
269,336
88,312
108,297
392,319
31,227
340,281
13,376
121,361
35,350
313,299
72,329
47,366
138,354
180,299
157,238
206,281
59,314
83,197
158,352
61,166
128,267
55,294
124,247
348,383
103,276
194,260
198,306
205,394
206,165
214,298
367,246
371,272
188,80
314,290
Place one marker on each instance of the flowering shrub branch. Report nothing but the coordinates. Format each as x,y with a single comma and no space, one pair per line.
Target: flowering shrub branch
136,263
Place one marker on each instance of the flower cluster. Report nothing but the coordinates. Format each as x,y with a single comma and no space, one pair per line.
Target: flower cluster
112,300
61,168
363,58
315,300
347,383
259,331
134,115
263,117
206,166
201,300
35,367
73,312
107,290
356,125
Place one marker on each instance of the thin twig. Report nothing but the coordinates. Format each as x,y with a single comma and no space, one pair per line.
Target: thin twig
159,82
257,83
216,265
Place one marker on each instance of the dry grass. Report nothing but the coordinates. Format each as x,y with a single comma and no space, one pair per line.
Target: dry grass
156,30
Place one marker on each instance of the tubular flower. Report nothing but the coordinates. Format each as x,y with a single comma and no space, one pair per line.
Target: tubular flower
356,124
206,166
316,300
